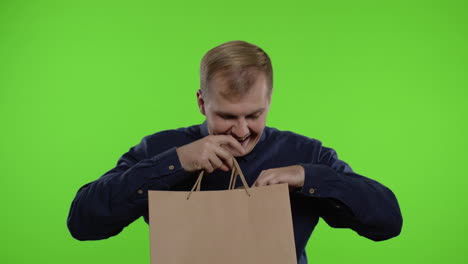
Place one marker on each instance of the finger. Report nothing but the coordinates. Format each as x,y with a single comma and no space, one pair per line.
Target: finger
283,179
260,179
225,156
215,161
272,181
256,180
267,177
232,142
208,167
253,184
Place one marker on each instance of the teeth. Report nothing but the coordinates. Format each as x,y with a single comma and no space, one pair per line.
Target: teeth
243,139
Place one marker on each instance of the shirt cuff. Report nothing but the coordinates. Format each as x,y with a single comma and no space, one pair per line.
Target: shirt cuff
165,172
316,179
321,181
167,169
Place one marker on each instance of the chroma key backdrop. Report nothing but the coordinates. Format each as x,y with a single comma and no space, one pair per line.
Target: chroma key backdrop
384,83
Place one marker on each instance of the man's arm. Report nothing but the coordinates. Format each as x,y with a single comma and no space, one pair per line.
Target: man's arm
102,208
351,200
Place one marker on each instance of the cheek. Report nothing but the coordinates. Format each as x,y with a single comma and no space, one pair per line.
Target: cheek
220,125
257,126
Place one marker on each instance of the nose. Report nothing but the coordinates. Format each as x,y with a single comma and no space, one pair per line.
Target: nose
240,129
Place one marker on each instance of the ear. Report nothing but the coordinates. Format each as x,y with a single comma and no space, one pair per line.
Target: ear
201,102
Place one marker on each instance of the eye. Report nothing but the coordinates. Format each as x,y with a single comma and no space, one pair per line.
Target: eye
254,116
227,117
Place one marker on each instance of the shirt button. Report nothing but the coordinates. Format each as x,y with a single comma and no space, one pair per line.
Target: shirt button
171,167
140,191
312,190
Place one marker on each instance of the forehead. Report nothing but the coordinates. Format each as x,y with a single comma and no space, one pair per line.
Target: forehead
223,99
235,84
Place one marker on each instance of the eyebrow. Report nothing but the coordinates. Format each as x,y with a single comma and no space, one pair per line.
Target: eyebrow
229,114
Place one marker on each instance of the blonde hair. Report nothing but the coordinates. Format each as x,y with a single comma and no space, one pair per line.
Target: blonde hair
239,63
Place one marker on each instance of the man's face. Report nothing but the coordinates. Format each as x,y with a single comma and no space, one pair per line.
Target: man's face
243,116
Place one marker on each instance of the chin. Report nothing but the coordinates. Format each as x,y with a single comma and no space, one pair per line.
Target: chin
250,145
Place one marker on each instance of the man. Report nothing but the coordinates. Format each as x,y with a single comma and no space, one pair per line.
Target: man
235,95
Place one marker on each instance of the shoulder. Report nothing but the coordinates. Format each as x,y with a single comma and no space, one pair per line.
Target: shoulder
297,143
166,139
174,134
290,137
294,145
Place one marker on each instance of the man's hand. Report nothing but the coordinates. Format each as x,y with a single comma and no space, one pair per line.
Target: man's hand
210,153
292,175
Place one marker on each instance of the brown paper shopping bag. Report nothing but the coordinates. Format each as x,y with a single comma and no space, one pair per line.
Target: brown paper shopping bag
234,226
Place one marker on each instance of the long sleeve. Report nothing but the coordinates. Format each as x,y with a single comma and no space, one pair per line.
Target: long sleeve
102,208
350,200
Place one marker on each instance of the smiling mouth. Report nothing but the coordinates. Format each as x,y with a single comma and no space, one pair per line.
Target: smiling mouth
243,139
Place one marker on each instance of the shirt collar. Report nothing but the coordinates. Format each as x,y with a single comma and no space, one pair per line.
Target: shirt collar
251,156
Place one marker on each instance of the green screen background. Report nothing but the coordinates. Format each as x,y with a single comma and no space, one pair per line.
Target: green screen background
384,83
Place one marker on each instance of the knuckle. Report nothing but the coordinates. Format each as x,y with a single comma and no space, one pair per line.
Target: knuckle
206,144
197,166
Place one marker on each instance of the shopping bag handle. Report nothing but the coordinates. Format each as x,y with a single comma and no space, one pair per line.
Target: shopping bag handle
235,171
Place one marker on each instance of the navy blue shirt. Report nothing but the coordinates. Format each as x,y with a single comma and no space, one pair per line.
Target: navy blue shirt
343,198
